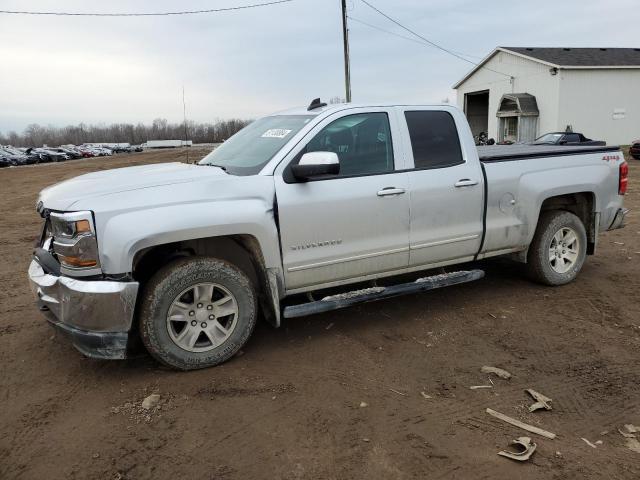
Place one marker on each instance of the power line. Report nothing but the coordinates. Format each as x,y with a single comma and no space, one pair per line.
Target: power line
433,44
420,42
153,14
414,40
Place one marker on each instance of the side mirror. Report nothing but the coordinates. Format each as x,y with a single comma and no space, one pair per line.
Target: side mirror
562,142
315,164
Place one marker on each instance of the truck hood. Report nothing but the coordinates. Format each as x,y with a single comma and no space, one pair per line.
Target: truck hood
66,194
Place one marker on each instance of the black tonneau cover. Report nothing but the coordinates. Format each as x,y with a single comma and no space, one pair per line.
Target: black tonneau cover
503,153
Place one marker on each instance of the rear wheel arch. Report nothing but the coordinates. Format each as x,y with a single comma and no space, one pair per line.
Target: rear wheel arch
558,249
582,205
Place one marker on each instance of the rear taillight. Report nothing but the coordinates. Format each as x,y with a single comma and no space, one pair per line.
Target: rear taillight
624,178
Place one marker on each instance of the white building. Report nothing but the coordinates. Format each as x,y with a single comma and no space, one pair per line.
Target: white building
521,93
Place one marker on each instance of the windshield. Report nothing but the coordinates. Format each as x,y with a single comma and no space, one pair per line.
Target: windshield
549,138
246,152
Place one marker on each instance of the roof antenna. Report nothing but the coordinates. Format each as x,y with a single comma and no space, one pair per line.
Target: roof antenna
316,103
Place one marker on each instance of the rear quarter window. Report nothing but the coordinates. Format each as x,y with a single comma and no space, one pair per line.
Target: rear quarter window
434,139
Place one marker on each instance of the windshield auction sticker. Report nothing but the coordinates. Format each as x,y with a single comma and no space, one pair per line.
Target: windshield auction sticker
276,133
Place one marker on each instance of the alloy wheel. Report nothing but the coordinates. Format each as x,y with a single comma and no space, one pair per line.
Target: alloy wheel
202,317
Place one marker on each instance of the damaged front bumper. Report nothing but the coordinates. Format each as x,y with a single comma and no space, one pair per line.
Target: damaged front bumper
97,315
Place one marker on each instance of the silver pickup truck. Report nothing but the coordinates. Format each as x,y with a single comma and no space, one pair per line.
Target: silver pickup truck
331,201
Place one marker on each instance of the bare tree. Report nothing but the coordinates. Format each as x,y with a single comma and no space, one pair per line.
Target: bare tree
35,135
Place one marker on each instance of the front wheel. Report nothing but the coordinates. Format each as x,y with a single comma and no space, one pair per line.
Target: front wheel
558,249
197,313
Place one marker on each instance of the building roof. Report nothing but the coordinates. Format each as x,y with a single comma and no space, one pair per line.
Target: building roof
569,58
582,57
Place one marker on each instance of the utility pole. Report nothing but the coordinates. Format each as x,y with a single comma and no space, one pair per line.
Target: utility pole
184,113
345,38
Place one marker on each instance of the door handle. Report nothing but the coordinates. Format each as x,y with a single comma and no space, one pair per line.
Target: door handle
390,191
465,182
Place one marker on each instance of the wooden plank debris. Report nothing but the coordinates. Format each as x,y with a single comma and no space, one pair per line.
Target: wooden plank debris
519,424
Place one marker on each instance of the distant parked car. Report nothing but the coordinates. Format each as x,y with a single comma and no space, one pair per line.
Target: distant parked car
31,157
566,138
97,151
103,151
72,154
120,149
86,152
5,160
79,151
37,157
16,158
634,151
49,155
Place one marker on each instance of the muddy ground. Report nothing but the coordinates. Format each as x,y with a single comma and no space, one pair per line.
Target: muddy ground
290,406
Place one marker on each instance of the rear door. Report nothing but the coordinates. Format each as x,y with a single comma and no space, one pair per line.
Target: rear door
350,226
446,186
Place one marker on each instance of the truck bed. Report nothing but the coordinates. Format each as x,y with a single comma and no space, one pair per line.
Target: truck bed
503,153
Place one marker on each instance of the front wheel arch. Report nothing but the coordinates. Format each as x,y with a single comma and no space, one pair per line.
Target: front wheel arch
168,285
243,251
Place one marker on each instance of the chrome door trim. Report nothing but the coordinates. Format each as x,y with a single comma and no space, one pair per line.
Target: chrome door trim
444,242
347,259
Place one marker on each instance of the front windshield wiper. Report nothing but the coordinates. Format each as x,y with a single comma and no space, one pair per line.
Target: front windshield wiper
221,167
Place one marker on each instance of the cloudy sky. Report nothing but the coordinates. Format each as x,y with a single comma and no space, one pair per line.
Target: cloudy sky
66,70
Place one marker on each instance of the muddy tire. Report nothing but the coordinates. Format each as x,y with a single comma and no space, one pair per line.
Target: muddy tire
197,313
558,249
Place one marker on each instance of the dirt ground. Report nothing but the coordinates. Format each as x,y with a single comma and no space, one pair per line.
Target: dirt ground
290,406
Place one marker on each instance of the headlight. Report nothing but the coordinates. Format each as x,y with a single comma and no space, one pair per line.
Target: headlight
74,240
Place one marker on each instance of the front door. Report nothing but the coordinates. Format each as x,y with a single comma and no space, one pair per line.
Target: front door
350,226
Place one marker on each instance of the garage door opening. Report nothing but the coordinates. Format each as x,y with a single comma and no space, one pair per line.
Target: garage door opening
476,108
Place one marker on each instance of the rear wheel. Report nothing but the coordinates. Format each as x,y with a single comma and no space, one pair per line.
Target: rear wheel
197,313
558,249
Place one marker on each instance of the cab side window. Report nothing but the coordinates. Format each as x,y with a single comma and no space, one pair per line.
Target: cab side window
362,143
434,139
